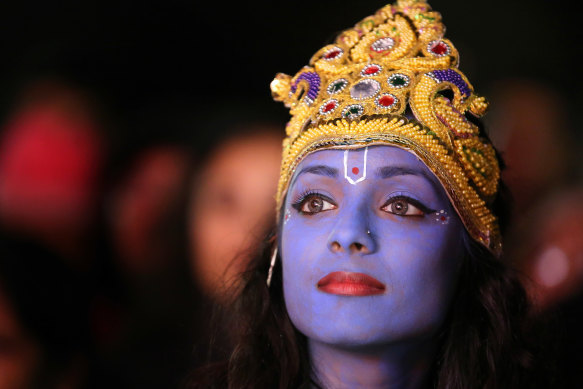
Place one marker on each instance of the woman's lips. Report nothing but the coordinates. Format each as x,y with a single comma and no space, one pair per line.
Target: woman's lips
350,284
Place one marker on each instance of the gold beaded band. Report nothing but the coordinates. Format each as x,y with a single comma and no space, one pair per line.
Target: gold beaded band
356,91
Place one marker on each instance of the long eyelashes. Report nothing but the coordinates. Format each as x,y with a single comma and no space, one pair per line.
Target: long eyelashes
299,200
407,199
311,202
403,205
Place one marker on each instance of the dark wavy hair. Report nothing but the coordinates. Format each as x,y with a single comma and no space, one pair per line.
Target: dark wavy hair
489,340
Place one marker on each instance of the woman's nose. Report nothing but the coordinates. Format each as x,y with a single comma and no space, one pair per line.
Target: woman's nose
352,233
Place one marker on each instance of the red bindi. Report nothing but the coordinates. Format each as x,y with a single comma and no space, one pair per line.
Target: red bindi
355,170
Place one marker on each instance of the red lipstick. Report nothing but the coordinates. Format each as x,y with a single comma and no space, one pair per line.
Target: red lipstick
350,284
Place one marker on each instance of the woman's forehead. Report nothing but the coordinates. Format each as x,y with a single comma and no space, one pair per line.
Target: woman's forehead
375,161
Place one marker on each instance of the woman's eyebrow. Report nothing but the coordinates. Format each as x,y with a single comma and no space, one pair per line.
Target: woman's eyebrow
392,171
321,170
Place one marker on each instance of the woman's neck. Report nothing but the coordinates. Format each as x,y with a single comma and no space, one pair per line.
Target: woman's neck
390,367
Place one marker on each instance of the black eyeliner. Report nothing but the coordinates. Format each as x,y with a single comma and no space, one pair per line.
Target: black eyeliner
303,196
301,199
426,210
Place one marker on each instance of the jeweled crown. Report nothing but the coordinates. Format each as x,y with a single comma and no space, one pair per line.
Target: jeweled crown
393,78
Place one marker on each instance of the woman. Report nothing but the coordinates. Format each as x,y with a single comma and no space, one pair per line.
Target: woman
385,267
230,208
231,204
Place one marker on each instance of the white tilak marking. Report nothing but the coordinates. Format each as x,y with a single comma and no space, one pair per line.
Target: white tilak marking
346,167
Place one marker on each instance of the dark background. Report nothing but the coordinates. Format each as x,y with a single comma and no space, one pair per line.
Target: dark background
146,58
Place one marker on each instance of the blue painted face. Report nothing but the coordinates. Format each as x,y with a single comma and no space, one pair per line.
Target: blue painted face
371,247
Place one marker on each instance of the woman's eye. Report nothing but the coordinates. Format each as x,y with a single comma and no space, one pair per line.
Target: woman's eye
315,204
402,207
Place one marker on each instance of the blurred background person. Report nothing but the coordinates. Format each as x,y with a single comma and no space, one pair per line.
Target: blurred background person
144,238
44,321
532,127
229,211
551,254
52,152
232,199
142,210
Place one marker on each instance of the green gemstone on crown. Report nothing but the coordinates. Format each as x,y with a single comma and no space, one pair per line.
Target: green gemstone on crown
337,87
352,111
399,81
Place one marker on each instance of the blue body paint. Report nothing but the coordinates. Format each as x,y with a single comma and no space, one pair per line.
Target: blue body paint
389,227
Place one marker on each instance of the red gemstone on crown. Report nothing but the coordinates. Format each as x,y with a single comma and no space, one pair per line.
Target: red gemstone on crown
329,107
439,48
333,54
355,170
386,101
371,70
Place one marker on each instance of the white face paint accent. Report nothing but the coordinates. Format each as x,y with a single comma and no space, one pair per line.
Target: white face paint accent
442,217
354,177
286,216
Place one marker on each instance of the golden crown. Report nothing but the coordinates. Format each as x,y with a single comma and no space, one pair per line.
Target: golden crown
356,92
